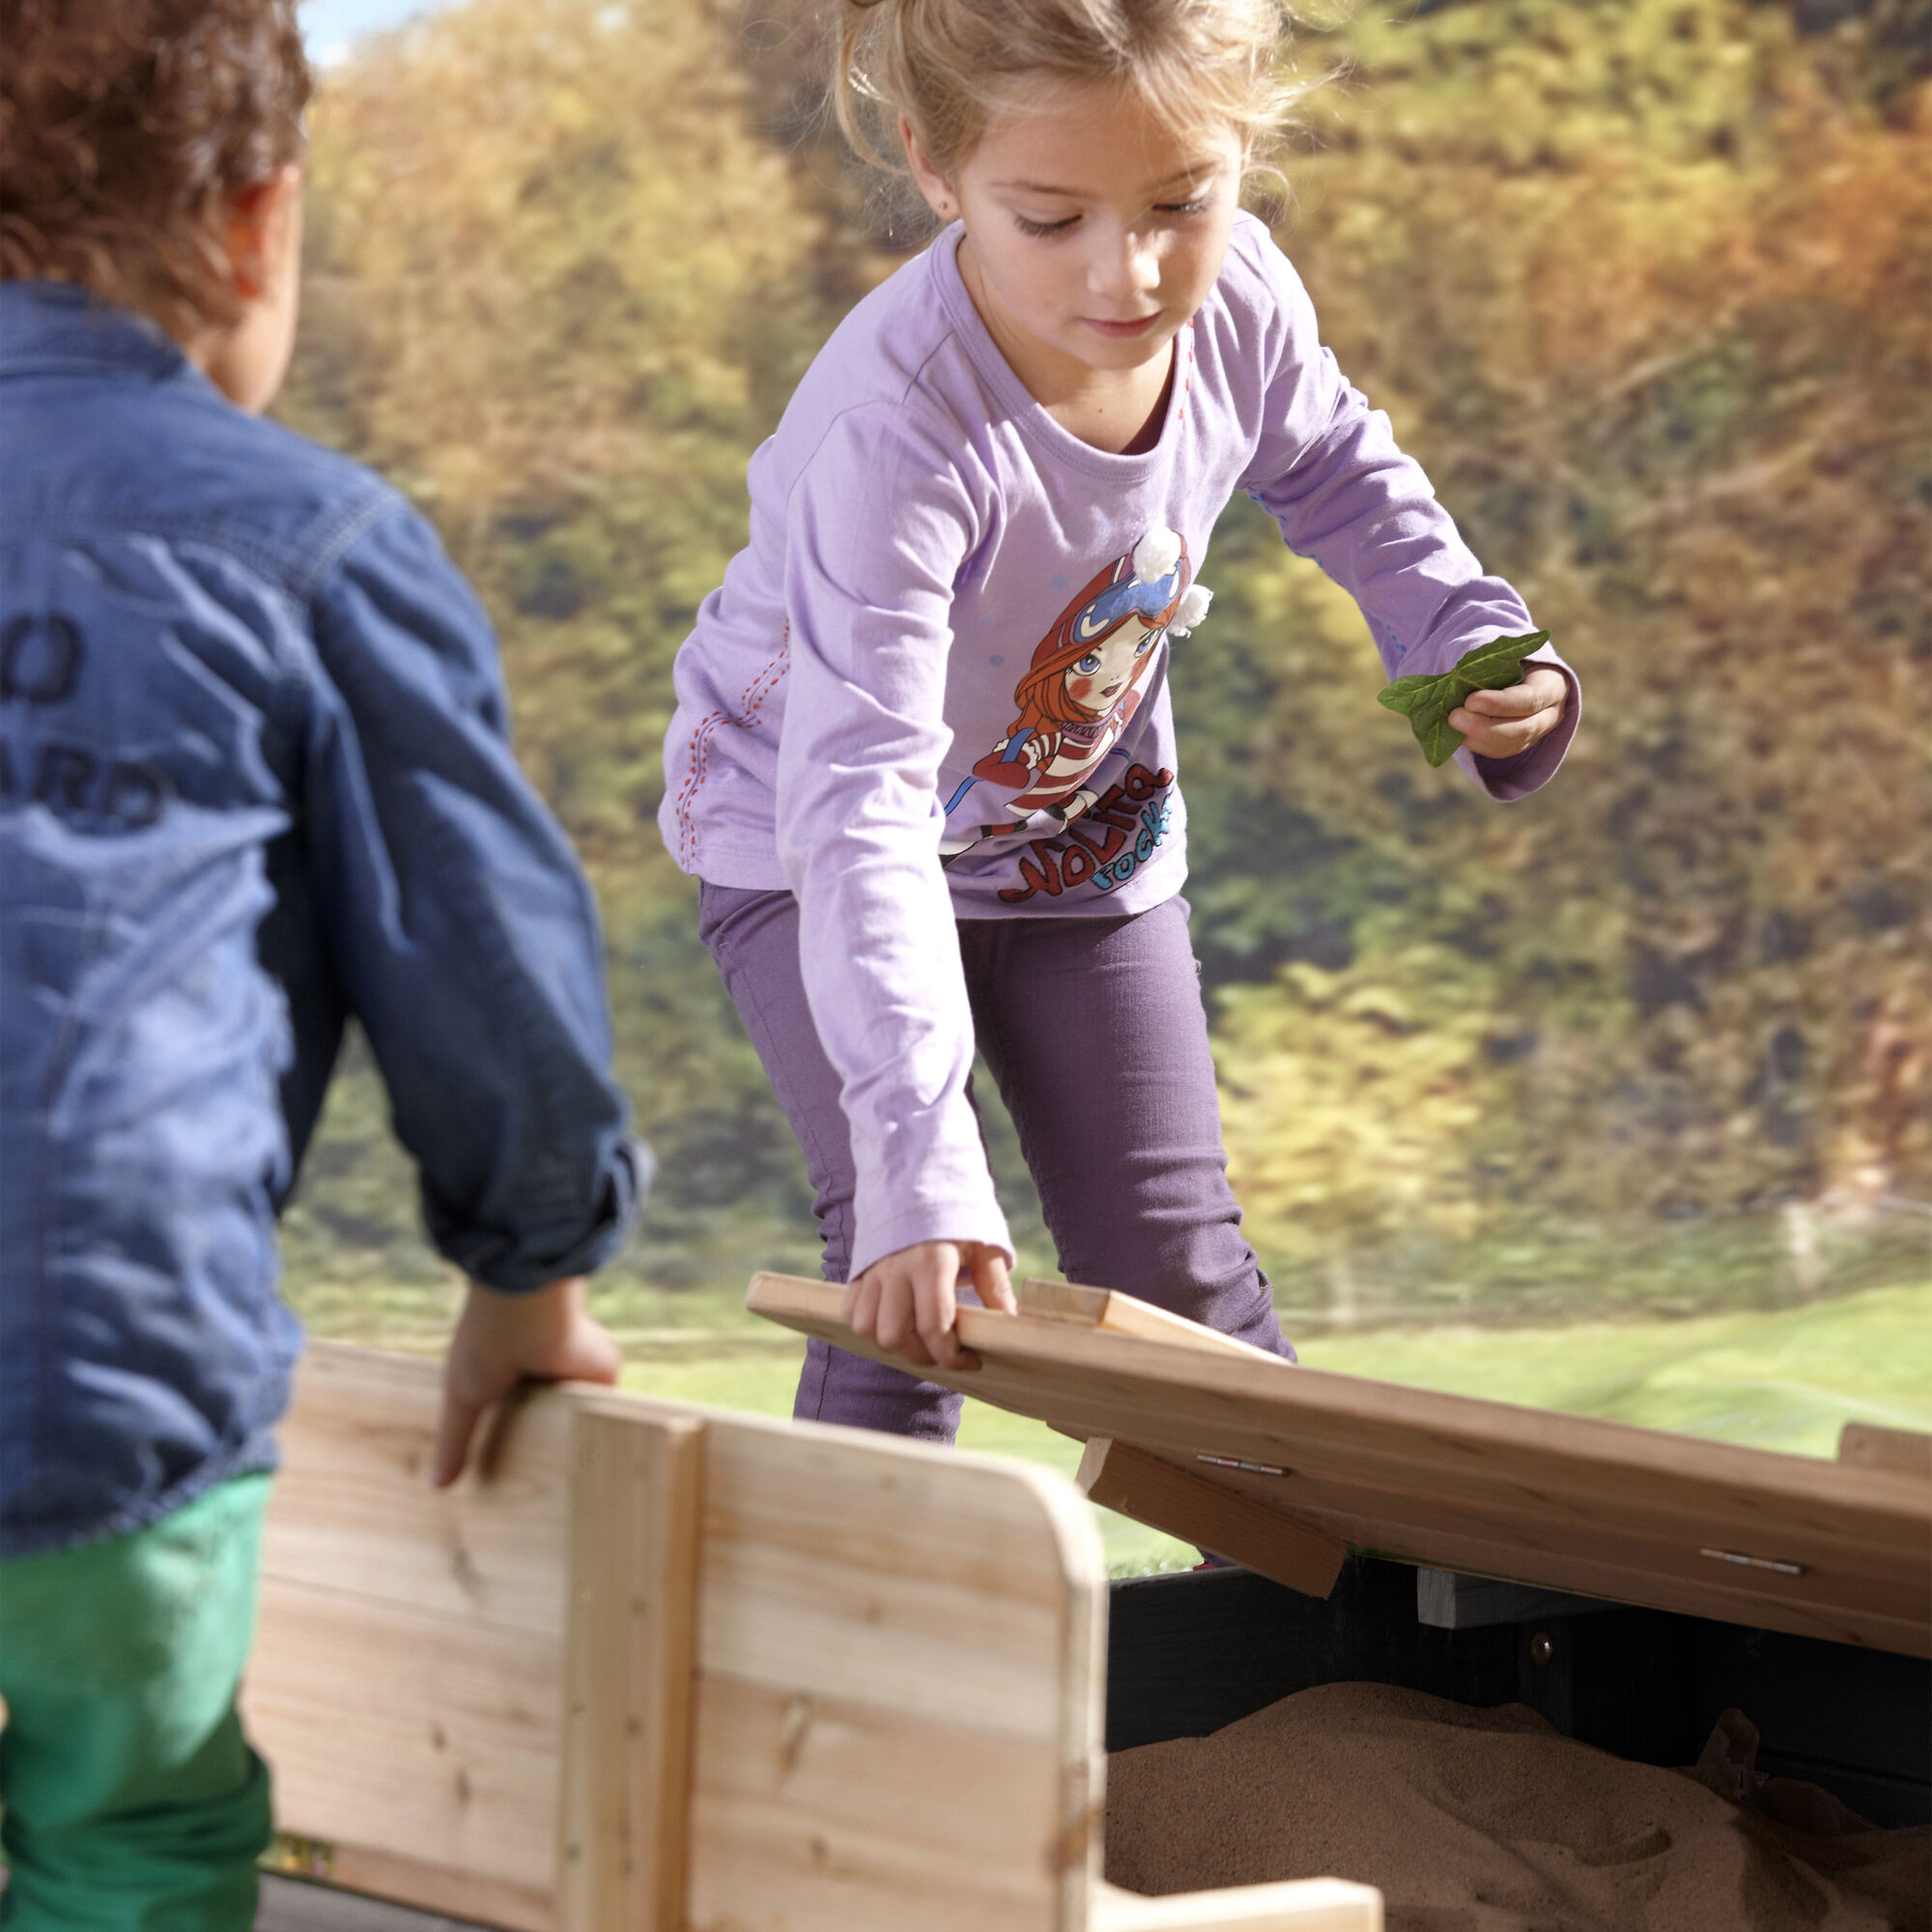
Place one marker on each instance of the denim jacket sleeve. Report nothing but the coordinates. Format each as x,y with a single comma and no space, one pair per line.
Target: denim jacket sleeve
465,937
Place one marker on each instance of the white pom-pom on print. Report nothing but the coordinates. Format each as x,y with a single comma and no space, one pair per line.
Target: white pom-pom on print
1194,603
1156,554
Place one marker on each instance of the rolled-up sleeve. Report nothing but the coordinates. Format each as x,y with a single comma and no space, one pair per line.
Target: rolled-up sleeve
464,935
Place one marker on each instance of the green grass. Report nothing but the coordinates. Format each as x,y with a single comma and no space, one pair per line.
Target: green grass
1786,1380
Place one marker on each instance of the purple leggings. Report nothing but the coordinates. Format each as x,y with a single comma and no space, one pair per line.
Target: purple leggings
1094,1030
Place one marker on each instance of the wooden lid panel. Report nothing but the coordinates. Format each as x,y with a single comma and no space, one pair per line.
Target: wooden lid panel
1839,1549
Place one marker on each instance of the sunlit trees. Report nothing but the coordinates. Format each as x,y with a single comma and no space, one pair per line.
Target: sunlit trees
1649,288
1647,284
558,291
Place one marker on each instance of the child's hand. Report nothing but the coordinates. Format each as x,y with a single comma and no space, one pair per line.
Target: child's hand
1500,724
546,1335
908,1301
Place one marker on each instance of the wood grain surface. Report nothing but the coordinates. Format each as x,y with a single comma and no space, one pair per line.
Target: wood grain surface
1186,1502
636,1497
1301,1905
682,1670
1906,1450
407,1681
1835,1549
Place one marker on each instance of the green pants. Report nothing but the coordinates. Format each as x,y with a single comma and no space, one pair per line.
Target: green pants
133,1802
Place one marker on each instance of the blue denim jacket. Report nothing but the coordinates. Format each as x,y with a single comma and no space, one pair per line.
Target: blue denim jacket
255,777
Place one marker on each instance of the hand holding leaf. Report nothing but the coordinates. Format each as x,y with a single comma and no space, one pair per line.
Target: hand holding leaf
1426,701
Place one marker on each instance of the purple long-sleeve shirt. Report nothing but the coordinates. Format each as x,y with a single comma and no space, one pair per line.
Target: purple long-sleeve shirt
933,686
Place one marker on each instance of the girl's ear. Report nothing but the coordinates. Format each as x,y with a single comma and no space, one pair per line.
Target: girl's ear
937,190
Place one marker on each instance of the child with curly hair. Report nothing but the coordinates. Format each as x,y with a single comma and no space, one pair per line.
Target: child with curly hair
254,779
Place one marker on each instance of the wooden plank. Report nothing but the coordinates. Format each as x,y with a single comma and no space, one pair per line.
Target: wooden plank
892,1657
945,1610
1668,1571
353,1508
389,1731
1150,1488
900,1705
1598,1508
1294,1905
815,1811
1312,1422
1123,1314
1905,1450
633,1526
458,1895
406,1682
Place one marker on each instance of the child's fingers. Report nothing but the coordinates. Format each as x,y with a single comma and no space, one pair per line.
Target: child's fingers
1541,690
1489,739
937,1305
898,1323
1500,724
992,1280
589,1354
859,1310
907,1303
1516,701
1503,737
455,1430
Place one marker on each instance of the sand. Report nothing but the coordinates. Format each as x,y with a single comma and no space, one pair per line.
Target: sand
1489,1820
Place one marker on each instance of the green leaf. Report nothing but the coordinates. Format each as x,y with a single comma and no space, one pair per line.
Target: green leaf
1399,696
1426,701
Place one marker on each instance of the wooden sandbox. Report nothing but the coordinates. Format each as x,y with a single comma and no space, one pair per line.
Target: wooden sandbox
1628,1585
668,1669
682,1670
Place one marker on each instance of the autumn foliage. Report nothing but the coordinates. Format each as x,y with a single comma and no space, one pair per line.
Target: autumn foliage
1647,284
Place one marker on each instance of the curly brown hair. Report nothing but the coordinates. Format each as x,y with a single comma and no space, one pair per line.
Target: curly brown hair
127,128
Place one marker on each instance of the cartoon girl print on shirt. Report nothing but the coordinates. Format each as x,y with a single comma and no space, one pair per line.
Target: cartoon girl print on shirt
1082,689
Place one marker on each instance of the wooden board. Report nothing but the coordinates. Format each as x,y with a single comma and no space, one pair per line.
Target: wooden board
1122,1314
407,1679
1303,1905
1186,1503
898,1714
1841,1550
883,1640
683,1670
628,1671
1907,1450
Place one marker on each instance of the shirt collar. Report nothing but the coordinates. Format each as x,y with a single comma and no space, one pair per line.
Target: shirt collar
55,326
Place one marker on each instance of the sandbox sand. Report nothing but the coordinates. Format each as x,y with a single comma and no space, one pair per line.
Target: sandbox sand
1488,1821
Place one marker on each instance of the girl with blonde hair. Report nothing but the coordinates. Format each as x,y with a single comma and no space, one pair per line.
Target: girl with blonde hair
924,759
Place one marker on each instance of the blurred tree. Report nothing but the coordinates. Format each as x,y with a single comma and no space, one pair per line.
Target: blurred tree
1352,1102
1649,289
558,291
1647,284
